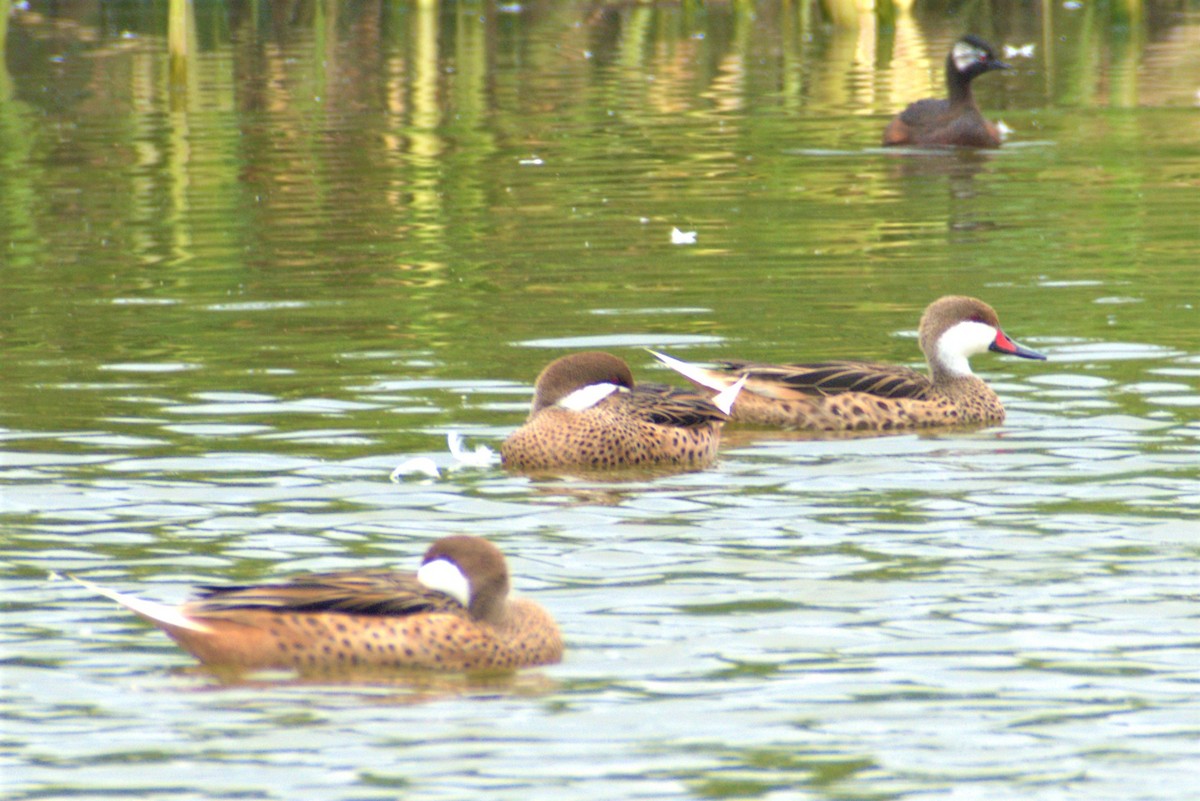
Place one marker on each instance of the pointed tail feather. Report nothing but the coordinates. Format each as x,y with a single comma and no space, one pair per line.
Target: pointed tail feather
156,613
724,399
697,375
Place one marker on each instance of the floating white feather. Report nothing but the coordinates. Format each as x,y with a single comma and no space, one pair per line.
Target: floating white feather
679,237
482,456
416,466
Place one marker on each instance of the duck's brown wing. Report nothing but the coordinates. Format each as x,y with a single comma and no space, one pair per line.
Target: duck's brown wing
671,406
359,592
831,378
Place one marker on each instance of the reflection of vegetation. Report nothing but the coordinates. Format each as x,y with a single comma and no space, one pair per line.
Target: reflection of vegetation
436,180
753,772
181,45
5,81
849,13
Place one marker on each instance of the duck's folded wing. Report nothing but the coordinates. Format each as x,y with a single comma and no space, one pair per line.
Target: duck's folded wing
671,406
381,592
789,381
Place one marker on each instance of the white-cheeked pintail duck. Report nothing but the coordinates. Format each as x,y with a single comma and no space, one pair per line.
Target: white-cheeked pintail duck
452,614
866,396
588,413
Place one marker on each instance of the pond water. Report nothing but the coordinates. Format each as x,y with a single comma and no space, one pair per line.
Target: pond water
240,287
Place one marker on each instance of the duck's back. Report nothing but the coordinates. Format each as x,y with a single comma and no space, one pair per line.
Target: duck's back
831,378
665,405
857,396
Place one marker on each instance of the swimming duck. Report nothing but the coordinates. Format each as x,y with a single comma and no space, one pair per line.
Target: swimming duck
865,396
454,613
588,413
956,120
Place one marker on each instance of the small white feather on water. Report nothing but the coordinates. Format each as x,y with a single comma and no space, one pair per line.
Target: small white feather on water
682,237
425,467
416,466
1020,51
482,456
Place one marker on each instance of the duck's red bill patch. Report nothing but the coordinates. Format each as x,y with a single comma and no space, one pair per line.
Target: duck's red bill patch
1004,343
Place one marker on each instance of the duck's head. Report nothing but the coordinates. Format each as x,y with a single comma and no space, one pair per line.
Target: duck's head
956,327
471,570
581,380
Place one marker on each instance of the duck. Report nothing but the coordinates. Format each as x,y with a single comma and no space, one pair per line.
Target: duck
956,121
867,396
587,413
453,614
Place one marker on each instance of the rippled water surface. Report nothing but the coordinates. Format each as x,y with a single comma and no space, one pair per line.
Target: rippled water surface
240,287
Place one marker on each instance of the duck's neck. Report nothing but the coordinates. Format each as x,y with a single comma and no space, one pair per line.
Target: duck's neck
495,611
942,373
958,385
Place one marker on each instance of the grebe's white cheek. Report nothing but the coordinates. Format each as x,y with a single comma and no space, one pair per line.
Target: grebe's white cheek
965,55
587,397
444,576
960,342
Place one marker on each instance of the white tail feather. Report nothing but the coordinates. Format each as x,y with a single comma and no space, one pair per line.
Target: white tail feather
154,612
724,399
691,372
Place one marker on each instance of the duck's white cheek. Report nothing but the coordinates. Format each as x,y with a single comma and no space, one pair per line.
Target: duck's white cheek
962,341
444,576
587,397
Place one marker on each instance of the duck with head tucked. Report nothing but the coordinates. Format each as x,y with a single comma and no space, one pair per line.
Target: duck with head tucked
454,613
588,413
956,120
866,396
